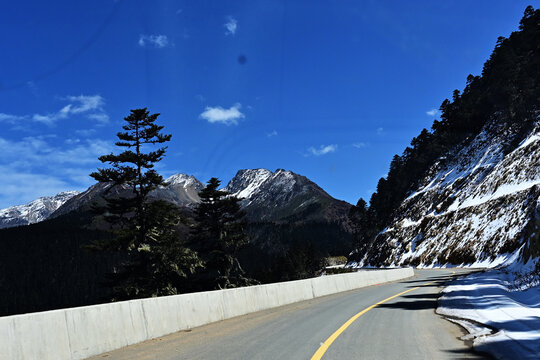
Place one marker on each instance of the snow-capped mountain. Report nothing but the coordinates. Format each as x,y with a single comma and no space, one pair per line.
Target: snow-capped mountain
247,182
35,211
266,196
284,196
478,205
179,189
184,180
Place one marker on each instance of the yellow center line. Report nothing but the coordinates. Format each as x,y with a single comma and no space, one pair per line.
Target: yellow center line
319,354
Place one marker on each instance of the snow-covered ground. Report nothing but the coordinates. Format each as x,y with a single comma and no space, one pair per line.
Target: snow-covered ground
503,309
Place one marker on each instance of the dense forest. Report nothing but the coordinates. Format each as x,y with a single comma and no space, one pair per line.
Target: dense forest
508,88
49,265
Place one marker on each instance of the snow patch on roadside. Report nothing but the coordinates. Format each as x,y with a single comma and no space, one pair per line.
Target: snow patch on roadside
512,318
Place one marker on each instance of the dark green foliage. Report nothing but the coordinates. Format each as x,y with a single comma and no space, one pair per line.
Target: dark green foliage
161,265
147,232
219,233
290,251
508,89
364,227
133,169
45,266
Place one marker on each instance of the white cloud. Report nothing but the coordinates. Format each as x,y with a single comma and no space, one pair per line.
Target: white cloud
85,132
360,145
22,186
433,112
231,25
380,131
46,119
82,154
72,141
92,105
35,166
100,118
34,151
42,165
83,103
322,150
11,119
157,41
223,116
271,134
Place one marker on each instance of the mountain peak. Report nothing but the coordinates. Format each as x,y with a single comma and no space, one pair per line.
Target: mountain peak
183,180
68,194
265,194
34,211
271,195
247,181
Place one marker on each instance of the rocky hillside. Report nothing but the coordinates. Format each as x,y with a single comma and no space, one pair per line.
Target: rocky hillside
35,211
478,205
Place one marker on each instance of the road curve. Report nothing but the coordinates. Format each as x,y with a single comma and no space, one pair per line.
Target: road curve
402,327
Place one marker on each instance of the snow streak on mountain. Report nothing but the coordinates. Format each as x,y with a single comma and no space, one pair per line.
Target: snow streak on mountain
35,211
284,196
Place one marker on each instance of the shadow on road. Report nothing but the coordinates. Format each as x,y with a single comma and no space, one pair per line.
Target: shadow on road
421,296
427,280
411,305
460,354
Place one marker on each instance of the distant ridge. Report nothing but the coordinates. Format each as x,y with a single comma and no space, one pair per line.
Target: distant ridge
266,196
35,211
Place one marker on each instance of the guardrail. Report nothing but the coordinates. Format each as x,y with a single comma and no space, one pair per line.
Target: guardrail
78,333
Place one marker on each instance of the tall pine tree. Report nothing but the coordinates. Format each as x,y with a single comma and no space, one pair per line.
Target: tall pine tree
218,235
145,231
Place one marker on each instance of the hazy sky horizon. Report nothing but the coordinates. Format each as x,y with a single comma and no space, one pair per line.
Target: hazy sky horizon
329,90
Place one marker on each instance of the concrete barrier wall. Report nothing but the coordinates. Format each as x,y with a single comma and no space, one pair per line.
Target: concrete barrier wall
78,333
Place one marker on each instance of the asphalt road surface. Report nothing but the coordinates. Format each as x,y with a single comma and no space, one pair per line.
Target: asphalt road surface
349,325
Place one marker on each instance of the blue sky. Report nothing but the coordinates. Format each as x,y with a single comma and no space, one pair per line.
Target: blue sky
328,89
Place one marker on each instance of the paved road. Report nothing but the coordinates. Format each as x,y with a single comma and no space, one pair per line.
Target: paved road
404,327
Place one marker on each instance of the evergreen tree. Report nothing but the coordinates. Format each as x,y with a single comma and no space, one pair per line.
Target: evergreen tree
145,231
218,235
134,169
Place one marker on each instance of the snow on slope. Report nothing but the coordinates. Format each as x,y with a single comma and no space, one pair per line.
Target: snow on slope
179,189
247,182
261,186
280,195
500,320
35,211
474,207
184,181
